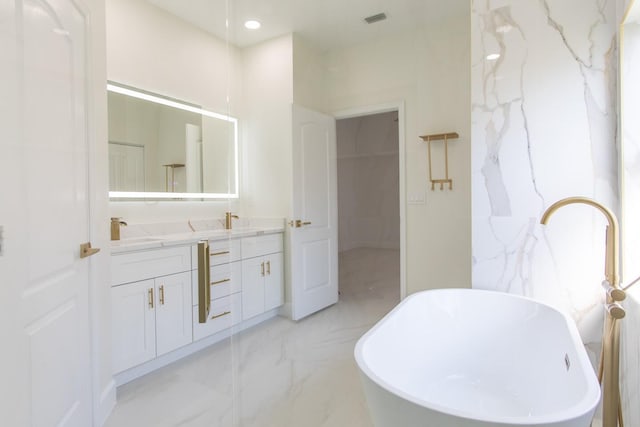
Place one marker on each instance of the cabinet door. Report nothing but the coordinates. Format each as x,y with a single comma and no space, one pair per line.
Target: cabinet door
173,312
134,324
253,273
273,283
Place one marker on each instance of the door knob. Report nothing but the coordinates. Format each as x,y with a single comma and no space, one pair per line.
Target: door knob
86,250
299,223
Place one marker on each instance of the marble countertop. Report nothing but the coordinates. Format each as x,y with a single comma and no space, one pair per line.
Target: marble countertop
137,243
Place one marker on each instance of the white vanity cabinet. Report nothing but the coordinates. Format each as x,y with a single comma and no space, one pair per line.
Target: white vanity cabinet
262,274
150,317
155,297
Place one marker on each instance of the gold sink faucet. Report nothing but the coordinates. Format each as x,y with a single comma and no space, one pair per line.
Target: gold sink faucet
115,227
609,370
227,220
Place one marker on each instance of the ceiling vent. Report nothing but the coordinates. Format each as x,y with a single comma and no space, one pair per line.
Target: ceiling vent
375,18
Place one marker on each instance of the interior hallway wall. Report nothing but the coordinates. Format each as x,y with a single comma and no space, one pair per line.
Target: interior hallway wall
428,70
368,182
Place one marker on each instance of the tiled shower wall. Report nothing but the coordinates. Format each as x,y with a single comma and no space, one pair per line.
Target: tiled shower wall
368,180
544,128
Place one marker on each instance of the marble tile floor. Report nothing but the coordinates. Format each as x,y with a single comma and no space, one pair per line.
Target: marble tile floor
279,373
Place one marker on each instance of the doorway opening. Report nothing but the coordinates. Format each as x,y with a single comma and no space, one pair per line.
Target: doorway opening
370,153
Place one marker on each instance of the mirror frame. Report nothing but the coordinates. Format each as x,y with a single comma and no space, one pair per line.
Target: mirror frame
120,195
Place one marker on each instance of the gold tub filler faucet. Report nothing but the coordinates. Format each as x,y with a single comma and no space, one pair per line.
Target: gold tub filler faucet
609,369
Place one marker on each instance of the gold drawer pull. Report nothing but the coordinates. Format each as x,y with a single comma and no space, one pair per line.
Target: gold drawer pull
262,269
269,268
150,292
219,253
162,295
215,316
219,282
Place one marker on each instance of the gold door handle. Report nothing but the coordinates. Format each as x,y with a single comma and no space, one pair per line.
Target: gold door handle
150,294
162,295
262,269
204,279
86,250
269,268
299,223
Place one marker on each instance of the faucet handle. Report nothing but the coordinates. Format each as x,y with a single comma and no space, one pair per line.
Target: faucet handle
616,294
615,310
118,220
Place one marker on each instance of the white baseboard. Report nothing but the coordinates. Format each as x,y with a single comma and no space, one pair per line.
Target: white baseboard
105,405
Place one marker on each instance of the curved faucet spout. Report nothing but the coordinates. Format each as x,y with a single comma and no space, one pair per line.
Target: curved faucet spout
611,255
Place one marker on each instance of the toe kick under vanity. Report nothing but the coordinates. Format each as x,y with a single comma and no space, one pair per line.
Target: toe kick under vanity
155,294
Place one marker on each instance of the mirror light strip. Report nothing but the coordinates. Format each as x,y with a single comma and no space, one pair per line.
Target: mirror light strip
160,195
168,102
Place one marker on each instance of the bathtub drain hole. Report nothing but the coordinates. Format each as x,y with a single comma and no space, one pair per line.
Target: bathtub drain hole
567,361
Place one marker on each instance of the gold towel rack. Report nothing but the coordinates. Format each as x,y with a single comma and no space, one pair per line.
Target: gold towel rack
440,137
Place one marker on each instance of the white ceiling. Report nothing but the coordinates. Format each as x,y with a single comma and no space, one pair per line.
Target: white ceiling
325,23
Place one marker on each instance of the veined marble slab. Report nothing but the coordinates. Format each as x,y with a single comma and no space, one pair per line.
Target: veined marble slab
544,128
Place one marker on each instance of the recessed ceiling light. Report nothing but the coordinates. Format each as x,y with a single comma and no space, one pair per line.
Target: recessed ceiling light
252,25
493,56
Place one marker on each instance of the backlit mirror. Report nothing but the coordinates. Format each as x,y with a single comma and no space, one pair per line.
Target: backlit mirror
162,148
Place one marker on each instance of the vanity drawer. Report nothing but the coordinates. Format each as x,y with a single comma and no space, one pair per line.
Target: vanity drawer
261,245
226,279
221,251
135,266
225,312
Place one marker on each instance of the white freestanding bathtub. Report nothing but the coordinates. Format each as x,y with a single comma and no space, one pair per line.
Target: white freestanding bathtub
471,358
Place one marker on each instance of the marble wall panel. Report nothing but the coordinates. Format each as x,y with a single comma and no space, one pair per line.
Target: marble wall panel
543,128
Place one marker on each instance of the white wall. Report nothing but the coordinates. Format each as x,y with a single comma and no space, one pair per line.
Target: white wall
427,69
266,128
309,76
155,51
368,182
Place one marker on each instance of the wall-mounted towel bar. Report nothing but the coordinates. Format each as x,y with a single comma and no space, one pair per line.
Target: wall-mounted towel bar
440,137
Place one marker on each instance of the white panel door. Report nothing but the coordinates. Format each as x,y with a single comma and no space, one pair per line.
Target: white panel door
126,167
253,271
174,326
133,324
313,237
273,282
44,214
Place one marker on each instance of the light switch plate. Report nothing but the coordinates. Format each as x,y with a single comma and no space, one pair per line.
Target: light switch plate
416,198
